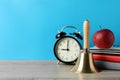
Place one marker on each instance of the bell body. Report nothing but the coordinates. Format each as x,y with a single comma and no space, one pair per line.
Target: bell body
85,63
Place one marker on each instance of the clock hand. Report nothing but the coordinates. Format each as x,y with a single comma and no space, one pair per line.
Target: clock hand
67,45
65,49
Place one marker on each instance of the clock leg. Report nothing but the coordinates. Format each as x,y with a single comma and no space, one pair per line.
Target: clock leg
58,62
74,62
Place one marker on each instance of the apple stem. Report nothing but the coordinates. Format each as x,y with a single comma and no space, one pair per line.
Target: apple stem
100,27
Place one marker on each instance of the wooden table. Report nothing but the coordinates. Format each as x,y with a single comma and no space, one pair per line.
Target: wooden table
48,70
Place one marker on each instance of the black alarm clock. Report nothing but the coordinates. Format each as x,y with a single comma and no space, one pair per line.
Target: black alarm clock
67,47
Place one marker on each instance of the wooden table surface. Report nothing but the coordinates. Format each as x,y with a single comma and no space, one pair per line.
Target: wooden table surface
48,70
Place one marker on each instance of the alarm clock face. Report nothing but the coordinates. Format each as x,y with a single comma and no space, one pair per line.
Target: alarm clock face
67,49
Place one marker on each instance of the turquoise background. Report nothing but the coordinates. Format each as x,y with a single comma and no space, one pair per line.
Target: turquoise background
28,27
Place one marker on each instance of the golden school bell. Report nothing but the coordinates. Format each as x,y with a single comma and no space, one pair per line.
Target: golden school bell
85,63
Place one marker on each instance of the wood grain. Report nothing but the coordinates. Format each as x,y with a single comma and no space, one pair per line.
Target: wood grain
48,70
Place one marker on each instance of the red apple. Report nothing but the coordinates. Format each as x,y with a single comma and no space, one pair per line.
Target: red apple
103,38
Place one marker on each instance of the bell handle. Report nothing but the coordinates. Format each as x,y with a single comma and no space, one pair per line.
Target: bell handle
86,32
